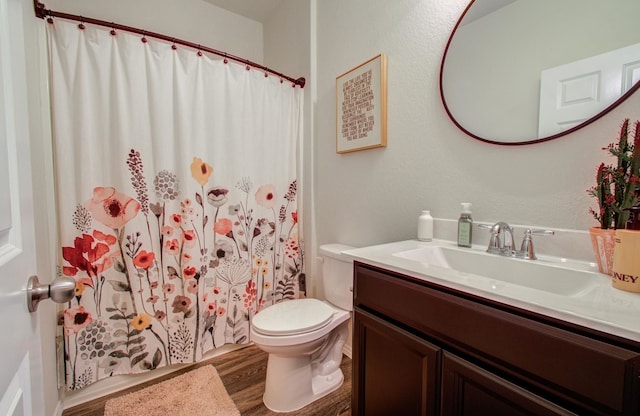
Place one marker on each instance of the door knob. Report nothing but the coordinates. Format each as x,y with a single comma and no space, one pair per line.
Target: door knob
60,290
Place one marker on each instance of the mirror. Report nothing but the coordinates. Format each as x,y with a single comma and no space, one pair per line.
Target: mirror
526,71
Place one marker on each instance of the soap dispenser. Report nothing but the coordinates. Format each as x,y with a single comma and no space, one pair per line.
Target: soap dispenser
626,261
465,226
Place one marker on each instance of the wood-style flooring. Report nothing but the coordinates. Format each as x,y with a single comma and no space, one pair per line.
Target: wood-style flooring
243,373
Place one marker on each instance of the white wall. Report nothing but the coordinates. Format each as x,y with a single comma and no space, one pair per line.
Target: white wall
375,196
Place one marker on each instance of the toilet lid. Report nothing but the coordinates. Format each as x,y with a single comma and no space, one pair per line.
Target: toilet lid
293,317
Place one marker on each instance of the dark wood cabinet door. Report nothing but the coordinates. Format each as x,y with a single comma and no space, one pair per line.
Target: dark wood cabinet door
469,390
394,372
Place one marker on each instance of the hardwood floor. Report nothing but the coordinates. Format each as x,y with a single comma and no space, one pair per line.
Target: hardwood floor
243,373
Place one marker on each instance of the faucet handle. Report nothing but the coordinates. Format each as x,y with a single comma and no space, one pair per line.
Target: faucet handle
526,249
493,238
539,232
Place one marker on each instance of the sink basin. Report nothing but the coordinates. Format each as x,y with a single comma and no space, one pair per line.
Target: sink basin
542,275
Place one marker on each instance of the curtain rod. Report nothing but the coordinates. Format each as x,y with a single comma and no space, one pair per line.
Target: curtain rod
42,12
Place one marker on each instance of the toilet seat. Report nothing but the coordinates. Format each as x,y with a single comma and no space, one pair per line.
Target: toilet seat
293,317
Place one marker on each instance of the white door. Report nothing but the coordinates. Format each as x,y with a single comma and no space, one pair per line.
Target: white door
21,391
574,92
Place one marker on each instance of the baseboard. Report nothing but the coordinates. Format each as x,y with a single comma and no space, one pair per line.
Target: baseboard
346,350
58,410
117,383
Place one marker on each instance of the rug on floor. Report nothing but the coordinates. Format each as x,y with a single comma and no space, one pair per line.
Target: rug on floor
197,392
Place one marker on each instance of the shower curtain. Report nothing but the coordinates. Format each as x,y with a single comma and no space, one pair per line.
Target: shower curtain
177,199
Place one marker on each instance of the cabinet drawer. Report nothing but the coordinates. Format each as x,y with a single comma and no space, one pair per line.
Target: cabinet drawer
588,373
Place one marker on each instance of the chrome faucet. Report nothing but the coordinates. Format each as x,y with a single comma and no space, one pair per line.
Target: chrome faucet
501,241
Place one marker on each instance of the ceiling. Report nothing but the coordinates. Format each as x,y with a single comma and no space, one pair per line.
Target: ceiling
258,10
482,8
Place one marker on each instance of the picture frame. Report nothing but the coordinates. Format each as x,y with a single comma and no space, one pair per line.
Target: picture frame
361,106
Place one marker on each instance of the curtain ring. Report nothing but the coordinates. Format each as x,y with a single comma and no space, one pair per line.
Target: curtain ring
81,26
174,47
248,67
50,20
113,29
199,51
144,38
226,61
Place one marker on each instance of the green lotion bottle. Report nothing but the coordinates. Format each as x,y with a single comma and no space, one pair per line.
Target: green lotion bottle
465,226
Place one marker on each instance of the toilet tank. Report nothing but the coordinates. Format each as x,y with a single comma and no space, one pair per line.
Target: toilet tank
337,274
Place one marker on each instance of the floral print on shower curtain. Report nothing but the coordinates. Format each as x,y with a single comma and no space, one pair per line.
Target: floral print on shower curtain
178,225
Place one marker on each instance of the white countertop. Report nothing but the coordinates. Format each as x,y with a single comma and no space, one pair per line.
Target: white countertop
599,306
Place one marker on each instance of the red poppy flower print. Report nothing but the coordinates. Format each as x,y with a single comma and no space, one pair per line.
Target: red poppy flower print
75,319
176,220
266,196
223,226
144,259
189,238
87,255
172,247
211,308
110,239
112,208
189,272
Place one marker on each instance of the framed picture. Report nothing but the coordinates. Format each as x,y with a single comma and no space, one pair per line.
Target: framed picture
361,106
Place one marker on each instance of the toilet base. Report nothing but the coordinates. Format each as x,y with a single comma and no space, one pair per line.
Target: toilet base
323,385
294,380
288,389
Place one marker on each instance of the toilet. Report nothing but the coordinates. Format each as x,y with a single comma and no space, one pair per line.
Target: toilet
304,338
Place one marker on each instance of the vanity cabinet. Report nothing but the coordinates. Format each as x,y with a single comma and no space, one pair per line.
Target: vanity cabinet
398,371
424,349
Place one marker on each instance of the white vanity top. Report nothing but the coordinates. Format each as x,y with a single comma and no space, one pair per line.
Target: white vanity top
598,305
